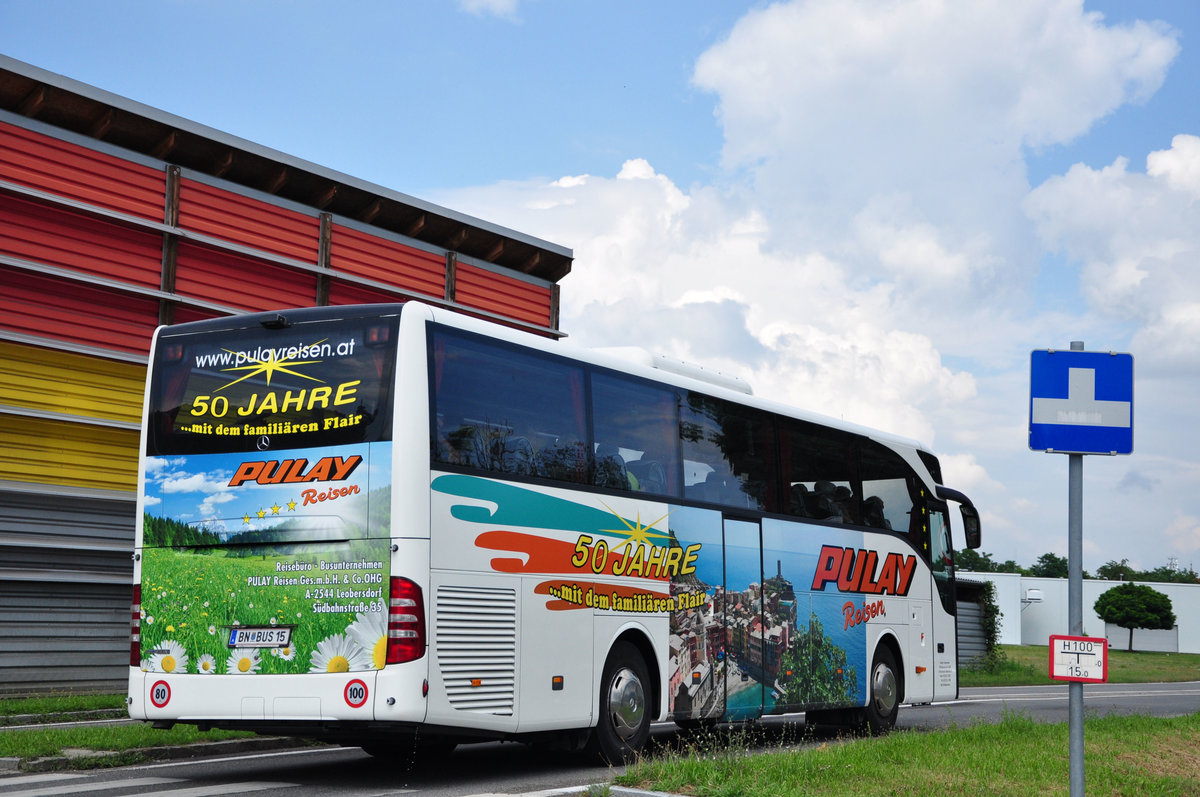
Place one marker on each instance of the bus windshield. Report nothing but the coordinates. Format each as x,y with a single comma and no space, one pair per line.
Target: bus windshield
323,382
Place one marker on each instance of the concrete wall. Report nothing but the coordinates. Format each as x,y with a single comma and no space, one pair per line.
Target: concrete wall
1027,623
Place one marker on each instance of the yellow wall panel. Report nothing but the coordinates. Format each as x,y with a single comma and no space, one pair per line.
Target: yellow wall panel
69,454
74,384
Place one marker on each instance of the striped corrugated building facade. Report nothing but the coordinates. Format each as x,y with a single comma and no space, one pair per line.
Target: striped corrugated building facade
115,218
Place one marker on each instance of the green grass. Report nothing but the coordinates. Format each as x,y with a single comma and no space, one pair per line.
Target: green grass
39,743
59,703
1123,755
1023,665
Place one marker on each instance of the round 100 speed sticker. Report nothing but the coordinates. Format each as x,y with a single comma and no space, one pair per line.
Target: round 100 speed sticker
160,694
356,694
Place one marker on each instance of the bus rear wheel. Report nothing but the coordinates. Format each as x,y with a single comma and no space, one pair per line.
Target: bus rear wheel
883,702
624,718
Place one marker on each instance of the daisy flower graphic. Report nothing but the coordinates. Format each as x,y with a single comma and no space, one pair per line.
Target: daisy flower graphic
369,632
287,653
206,664
171,657
337,653
243,662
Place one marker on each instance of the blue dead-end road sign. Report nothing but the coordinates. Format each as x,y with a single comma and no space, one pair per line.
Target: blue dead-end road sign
1081,402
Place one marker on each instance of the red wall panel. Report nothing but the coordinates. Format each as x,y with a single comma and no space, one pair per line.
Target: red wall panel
487,290
58,237
34,304
348,293
69,170
250,222
239,281
386,261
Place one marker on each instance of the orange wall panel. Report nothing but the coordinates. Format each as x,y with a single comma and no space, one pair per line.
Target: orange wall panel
342,293
487,290
239,281
250,222
57,237
183,314
76,172
390,262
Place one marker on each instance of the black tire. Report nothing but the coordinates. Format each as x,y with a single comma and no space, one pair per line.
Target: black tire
883,693
624,711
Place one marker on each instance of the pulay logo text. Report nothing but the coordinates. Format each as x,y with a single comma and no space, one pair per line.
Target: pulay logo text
861,571
295,471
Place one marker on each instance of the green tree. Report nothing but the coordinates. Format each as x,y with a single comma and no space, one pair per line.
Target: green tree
975,561
1049,565
1135,606
1167,573
1116,571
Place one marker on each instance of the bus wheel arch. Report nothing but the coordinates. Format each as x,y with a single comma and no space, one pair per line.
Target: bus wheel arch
628,700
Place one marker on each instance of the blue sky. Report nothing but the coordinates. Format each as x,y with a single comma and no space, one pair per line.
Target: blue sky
872,210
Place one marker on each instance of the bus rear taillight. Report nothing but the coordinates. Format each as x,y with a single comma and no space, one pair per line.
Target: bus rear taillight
135,627
406,622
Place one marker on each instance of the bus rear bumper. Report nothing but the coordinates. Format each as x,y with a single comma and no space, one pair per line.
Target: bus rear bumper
262,702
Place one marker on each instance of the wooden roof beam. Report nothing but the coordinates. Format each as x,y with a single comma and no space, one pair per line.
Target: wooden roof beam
456,240
494,253
323,199
415,226
223,166
166,146
277,181
368,214
31,106
531,263
102,124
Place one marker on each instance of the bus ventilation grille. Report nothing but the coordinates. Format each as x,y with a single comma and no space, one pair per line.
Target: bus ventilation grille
477,647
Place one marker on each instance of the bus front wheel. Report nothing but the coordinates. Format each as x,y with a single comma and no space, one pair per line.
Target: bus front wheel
624,721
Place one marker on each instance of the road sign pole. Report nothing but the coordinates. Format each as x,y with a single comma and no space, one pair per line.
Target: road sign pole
1079,403
1075,605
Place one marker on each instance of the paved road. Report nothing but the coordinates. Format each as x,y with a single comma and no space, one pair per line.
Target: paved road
496,768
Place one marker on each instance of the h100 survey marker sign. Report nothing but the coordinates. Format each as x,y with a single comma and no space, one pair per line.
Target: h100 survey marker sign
1079,658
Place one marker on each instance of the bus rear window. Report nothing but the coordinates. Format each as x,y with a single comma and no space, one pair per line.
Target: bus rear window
309,384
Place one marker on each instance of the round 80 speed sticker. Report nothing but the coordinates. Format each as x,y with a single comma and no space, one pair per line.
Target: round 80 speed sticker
160,694
356,694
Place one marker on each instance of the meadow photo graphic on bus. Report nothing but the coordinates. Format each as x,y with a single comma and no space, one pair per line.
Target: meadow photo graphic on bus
287,554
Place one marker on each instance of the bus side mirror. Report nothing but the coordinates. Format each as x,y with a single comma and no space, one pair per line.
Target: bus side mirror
971,528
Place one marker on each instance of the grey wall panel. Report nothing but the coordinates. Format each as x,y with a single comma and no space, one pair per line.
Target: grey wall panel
66,576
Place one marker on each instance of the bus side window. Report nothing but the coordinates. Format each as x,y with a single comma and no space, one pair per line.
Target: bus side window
503,408
887,487
634,426
819,471
732,451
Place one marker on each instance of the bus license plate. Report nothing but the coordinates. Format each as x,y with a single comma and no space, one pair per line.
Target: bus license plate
268,637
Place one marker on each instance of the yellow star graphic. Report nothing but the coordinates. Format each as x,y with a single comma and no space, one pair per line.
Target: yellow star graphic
291,506
275,509
638,534
270,365
261,514
245,520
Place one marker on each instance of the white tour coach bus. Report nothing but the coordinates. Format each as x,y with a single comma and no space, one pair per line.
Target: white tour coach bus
396,526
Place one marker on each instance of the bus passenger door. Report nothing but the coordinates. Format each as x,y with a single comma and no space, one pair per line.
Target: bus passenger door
747,673
944,608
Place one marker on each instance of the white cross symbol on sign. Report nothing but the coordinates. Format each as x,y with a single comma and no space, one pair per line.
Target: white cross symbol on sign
1081,407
